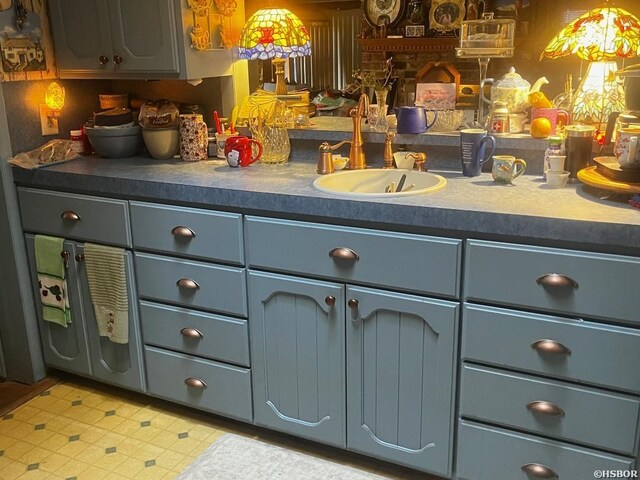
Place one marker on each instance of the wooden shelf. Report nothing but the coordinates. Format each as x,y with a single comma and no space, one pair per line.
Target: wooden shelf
446,44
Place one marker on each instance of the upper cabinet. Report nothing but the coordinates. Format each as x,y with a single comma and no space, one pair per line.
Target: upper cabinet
147,39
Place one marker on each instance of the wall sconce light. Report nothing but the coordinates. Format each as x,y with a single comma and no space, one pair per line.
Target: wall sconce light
50,110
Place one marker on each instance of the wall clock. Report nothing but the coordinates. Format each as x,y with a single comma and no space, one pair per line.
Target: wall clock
446,15
383,12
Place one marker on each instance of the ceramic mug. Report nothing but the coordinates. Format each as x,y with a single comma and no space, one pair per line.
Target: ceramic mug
516,122
626,148
194,137
554,115
473,142
239,151
507,167
221,138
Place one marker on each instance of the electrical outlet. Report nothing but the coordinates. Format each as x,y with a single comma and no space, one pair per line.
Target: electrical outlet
48,123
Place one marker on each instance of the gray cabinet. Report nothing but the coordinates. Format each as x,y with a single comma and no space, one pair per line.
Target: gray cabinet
401,377
398,350
125,39
297,346
550,342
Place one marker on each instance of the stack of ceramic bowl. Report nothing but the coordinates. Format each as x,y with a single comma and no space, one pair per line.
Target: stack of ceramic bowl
114,134
159,121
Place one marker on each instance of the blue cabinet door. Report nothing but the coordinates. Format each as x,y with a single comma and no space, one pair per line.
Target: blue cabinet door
63,348
297,356
400,378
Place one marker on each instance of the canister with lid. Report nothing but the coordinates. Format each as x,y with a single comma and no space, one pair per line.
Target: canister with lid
578,144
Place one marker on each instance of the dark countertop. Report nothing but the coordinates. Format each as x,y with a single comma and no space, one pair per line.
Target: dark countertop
527,212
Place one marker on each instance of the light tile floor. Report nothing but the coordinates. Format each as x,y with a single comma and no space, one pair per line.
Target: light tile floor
75,432
79,429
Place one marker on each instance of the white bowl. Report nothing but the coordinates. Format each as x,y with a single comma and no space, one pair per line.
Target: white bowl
161,143
557,179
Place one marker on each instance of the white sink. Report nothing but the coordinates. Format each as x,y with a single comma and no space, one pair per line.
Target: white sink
371,183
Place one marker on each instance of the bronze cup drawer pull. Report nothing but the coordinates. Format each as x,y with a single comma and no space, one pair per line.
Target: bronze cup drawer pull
70,215
539,470
344,253
195,383
191,332
546,408
550,346
188,283
556,280
184,232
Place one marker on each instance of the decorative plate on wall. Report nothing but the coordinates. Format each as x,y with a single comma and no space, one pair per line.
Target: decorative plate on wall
446,15
383,12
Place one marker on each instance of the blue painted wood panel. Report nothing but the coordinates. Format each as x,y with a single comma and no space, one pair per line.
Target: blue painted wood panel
488,453
591,417
400,378
416,263
607,285
297,349
599,355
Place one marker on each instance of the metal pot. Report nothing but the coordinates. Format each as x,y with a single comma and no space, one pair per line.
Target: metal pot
631,76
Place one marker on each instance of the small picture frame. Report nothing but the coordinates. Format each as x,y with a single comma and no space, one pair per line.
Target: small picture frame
414,31
446,15
436,96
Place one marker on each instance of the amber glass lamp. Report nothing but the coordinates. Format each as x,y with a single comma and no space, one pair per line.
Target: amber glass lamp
277,34
600,36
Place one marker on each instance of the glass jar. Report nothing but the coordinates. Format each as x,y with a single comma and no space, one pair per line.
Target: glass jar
268,124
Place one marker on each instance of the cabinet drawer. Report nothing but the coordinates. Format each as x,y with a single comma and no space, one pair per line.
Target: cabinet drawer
598,354
195,333
206,286
224,389
188,231
410,262
605,285
594,418
487,453
81,217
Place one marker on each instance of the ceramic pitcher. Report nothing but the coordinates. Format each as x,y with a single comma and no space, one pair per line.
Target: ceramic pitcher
193,137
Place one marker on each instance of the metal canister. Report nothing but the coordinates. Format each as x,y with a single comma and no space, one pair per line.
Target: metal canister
499,118
578,145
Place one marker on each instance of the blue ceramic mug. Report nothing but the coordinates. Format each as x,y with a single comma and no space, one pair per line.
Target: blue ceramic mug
473,143
413,119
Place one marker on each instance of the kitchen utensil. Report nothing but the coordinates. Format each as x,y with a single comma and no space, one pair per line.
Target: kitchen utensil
578,144
473,143
511,89
403,179
216,119
239,151
193,137
234,119
557,179
413,119
506,168
555,116
161,143
116,142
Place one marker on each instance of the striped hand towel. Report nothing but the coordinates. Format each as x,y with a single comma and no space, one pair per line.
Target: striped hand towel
52,282
108,287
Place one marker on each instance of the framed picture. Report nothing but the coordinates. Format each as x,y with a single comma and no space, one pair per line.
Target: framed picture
446,15
437,96
414,31
380,13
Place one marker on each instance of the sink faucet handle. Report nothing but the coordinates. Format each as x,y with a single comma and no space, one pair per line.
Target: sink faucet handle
388,150
420,161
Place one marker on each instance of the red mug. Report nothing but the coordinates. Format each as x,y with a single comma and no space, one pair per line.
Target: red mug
239,151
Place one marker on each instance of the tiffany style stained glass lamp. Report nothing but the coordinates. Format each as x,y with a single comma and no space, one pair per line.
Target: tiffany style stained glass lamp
600,36
274,33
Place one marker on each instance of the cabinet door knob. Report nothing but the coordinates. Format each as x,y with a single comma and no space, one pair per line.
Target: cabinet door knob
80,257
191,332
556,280
188,283
330,300
550,346
117,59
184,232
353,303
103,59
195,383
65,257
546,408
539,470
344,253
70,215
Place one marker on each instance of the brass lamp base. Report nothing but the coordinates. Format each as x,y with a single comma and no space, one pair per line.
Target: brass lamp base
281,85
